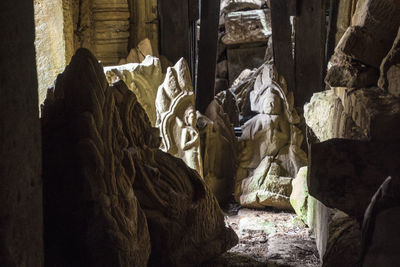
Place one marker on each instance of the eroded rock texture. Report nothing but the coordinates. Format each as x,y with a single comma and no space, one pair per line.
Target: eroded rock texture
92,217
101,159
142,79
247,26
374,22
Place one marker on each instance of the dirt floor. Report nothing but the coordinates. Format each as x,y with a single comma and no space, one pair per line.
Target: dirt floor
268,238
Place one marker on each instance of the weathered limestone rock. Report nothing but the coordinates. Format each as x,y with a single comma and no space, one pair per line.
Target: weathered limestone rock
326,117
228,6
247,27
176,116
219,151
143,79
269,137
390,69
299,195
99,145
139,53
374,111
302,202
343,240
348,172
92,216
266,187
381,234
50,48
345,72
374,22
344,174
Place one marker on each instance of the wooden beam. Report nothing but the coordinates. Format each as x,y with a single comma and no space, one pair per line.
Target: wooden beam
310,50
332,29
207,53
174,29
281,39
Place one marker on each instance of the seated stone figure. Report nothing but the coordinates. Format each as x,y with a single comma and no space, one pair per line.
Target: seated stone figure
270,154
176,116
265,133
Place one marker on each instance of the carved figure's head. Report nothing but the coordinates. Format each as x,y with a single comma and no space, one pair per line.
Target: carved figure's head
190,116
272,103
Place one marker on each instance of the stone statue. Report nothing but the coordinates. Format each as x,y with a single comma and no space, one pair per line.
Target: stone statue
176,116
143,79
270,138
190,140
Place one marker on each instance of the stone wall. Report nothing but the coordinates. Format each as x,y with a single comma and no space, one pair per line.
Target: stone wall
49,42
21,226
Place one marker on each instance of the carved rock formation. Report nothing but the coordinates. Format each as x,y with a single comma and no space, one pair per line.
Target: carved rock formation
142,79
176,116
92,216
269,139
100,157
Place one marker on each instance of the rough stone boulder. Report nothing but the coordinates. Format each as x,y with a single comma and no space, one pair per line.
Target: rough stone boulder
381,234
142,79
325,115
101,159
345,174
139,53
266,187
349,73
390,69
247,27
301,201
92,216
374,22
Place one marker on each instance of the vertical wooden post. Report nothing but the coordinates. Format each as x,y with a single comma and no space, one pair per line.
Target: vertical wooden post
332,29
207,53
21,204
310,49
281,39
174,29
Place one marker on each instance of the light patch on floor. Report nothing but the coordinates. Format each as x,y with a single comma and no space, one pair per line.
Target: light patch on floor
268,238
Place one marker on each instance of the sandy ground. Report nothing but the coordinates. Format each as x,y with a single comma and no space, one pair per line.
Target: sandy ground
268,238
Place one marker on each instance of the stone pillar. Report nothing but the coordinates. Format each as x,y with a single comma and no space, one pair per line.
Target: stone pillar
21,222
